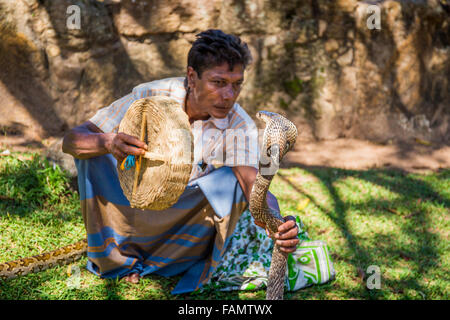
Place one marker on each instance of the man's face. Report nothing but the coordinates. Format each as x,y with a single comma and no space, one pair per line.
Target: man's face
215,93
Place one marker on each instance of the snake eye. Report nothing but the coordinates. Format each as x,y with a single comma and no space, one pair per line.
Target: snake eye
269,152
288,145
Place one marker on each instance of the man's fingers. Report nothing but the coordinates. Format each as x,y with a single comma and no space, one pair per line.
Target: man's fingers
288,224
287,245
130,149
287,235
287,230
130,145
132,140
288,250
291,233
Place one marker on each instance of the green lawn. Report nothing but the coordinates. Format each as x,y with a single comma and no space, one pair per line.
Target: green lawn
396,221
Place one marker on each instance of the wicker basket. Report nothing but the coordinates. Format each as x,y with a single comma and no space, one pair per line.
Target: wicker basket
165,171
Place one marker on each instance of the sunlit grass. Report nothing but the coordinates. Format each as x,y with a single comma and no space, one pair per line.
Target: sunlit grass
396,221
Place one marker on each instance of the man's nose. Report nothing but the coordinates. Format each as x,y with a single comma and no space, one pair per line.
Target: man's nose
228,92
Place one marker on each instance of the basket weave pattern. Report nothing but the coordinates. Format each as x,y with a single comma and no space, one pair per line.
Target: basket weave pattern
160,183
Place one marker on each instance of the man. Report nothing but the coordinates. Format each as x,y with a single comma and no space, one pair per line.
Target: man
215,74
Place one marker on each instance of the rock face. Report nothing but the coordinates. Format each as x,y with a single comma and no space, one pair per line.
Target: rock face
331,66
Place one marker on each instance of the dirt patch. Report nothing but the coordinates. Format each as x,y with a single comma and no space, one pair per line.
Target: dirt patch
353,154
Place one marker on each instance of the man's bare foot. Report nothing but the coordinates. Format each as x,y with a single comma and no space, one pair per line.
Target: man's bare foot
133,278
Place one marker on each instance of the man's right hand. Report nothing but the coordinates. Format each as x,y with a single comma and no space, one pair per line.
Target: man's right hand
87,140
123,144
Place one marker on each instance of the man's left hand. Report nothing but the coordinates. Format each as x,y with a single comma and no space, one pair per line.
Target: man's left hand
287,235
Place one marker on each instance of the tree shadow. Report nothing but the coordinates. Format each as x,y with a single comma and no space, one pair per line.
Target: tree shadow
26,75
145,13
433,87
99,37
31,185
421,252
19,77
111,290
27,181
12,129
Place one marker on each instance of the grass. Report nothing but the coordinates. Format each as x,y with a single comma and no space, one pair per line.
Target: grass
393,220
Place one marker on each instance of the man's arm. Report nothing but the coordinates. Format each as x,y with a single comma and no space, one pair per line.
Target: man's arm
287,235
87,141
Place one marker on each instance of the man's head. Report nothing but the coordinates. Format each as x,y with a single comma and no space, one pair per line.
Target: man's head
215,72
213,48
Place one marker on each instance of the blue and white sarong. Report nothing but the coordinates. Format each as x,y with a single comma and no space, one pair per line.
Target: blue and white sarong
203,236
189,237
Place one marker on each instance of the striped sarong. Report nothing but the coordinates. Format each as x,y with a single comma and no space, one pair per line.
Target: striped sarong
190,237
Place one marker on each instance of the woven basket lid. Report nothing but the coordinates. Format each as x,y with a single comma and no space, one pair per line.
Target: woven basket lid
162,178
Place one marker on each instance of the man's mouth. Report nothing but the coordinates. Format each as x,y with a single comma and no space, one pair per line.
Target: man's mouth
222,107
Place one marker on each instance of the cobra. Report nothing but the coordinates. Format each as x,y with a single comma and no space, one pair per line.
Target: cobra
279,137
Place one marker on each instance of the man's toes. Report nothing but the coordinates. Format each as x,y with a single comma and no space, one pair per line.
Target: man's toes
133,278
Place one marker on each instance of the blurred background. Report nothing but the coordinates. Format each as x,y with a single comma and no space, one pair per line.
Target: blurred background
361,97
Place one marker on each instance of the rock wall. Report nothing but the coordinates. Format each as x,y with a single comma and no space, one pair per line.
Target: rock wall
315,61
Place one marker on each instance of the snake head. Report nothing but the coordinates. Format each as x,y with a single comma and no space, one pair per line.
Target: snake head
280,135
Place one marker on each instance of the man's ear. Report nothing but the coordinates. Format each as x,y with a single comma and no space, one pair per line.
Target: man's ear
191,76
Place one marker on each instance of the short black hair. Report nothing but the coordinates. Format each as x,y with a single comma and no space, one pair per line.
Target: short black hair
214,47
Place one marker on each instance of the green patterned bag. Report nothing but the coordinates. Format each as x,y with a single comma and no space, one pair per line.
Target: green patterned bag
246,262
309,264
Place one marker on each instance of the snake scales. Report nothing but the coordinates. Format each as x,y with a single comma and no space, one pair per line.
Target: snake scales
279,137
40,262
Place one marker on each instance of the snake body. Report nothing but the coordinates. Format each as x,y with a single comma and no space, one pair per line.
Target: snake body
40,262
279,138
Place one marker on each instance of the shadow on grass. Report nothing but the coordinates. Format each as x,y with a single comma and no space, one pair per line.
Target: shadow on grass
111,290
31,184
422,252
